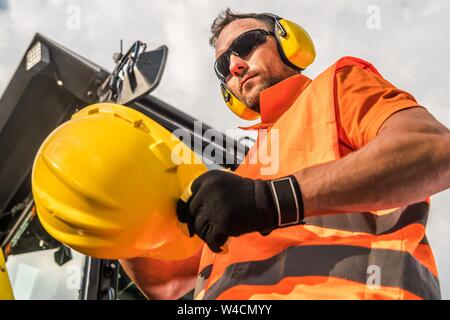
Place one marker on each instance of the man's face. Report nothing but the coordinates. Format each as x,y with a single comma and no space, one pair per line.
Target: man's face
260,69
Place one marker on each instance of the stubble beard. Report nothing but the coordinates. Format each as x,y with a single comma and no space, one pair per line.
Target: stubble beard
253,101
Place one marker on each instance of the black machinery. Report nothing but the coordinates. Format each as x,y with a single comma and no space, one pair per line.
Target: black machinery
50,84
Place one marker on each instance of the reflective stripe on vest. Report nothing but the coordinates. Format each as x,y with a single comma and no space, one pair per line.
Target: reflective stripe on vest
352,263
331,256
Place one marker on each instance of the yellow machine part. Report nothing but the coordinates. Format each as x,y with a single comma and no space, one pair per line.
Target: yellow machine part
6,292
106,183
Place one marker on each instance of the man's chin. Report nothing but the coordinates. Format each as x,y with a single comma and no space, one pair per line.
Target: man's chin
253,103
252,97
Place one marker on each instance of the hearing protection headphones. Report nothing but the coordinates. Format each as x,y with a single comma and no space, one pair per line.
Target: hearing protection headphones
296,49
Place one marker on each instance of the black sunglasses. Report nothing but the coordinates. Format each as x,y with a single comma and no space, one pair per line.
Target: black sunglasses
241,47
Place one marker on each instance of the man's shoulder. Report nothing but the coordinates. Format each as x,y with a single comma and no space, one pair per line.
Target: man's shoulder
349,62
345,64
353,61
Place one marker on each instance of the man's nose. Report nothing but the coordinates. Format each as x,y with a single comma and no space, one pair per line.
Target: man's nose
238,66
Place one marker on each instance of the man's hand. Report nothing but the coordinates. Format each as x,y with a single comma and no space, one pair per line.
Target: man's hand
224,204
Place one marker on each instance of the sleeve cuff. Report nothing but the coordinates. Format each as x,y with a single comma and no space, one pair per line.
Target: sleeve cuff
377,122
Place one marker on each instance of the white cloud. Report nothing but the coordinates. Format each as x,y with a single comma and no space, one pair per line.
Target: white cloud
410,49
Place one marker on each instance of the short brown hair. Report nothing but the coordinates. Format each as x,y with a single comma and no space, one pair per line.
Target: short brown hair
227,16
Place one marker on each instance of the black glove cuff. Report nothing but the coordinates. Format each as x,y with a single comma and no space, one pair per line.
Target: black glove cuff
286,194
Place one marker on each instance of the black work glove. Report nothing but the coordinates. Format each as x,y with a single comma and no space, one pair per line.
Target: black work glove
224,204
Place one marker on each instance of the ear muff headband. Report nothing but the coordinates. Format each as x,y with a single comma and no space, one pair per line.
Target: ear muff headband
296,49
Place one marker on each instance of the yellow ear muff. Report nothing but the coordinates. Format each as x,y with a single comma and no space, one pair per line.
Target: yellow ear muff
238,107
296,49
296,44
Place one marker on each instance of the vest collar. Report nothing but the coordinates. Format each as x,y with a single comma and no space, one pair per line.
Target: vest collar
276,100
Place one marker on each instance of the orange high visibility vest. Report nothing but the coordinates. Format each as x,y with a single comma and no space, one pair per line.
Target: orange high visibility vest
359,255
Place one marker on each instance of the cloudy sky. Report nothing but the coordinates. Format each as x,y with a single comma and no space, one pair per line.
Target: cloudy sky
408,44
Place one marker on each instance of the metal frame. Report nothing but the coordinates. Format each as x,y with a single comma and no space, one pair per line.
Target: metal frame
100,279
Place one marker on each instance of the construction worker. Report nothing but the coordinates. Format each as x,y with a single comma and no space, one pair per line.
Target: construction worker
344,214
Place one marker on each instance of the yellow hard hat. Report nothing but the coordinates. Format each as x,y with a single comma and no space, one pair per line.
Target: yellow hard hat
107,181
